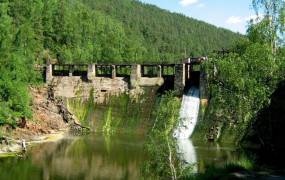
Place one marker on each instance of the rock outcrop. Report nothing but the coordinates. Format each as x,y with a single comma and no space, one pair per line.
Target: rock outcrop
67,116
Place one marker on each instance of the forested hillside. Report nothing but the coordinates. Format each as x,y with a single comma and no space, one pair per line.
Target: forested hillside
100,30
156,34
82,31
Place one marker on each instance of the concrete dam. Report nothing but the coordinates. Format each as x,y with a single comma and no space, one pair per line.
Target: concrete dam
103,80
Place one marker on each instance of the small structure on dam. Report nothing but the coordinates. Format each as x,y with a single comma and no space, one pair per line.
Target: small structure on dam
79,81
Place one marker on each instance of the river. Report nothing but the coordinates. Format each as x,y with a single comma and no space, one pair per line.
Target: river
121,149
96,156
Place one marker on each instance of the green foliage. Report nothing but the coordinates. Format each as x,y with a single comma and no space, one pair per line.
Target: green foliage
163,160
240,86
158,35
165,115
113,31
14,69
271,29
258,33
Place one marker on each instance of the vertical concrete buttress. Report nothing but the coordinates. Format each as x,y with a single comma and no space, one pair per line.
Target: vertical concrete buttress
159,71
135,75
113,71
91,73
179,82
48,73
70,73
188,71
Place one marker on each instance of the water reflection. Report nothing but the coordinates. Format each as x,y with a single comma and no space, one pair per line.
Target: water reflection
187,153
200,155
89,157
214,154
99,157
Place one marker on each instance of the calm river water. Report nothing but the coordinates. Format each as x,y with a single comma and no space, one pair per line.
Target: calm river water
98,157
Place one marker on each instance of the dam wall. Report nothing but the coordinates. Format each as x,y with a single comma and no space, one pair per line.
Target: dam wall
103,80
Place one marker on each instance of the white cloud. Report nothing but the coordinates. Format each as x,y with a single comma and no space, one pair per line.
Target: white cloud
234,20
240,20
186,3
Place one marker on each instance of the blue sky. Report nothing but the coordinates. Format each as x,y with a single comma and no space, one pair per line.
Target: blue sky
230,14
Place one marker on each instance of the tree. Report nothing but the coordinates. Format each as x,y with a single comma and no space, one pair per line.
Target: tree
6,35
273,24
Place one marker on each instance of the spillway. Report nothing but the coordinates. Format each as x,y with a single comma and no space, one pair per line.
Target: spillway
188,114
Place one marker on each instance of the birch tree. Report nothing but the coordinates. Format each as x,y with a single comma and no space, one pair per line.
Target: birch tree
273,23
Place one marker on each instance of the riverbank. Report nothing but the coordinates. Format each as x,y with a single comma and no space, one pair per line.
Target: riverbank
14,146
47,124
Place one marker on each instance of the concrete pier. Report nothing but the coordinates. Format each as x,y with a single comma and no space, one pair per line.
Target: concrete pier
136,75
113,71
179,82
91,74
49,75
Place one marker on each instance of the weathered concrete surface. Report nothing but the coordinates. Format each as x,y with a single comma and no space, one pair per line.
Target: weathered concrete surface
91,74
151,81
99,87
135,76
102,87
107,83
48,73
179,82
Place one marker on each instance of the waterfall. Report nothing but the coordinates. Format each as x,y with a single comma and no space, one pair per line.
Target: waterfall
188,114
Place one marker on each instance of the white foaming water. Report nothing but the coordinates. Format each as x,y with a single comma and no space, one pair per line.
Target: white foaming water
187,153
188,114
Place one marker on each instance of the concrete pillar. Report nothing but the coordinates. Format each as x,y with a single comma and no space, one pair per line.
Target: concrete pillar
91,73
70,69
188,71
179,82
203,89
113,71
159,71
135,76
48,73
